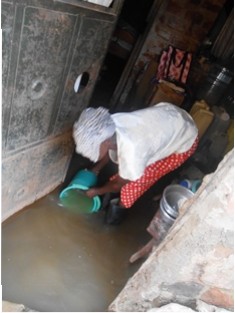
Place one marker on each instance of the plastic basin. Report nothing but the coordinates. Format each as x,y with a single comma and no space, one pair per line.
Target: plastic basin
74,198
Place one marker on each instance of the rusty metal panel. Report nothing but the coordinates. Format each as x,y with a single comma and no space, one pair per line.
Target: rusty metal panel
52,43
32,173
44,44
88,55
7,27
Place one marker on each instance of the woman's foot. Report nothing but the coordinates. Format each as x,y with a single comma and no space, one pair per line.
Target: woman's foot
106,198
115,213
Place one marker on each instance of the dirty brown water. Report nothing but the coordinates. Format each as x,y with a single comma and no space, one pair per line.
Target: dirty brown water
55,260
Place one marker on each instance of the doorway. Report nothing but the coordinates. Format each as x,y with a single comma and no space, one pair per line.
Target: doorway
131,24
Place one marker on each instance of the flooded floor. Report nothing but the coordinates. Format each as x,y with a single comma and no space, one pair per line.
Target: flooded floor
56,260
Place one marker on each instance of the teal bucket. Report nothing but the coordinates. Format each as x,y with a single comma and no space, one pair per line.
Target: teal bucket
74,198
85,178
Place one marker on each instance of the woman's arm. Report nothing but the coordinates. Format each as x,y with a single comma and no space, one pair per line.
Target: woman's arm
114,185
99,165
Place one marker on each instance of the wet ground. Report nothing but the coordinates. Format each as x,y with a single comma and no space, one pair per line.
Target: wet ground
57,260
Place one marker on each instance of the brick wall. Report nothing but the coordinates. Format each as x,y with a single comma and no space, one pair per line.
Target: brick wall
195,260
183,24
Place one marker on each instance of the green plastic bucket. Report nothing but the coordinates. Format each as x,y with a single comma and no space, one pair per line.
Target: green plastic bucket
74,198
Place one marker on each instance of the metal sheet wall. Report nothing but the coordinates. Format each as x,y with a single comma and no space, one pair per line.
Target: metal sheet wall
45,46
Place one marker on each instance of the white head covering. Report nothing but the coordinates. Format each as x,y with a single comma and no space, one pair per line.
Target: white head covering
92,128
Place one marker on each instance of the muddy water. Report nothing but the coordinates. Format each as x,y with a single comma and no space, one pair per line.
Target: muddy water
57,260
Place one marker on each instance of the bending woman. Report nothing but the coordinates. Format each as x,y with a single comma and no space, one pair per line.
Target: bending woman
146,144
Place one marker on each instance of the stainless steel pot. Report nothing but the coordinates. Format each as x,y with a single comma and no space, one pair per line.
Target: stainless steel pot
172,199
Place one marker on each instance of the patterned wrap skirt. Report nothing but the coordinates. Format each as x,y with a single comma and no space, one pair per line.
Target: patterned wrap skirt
135,189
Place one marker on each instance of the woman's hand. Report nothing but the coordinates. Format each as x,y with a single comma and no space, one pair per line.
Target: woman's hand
108,187
113,185
92,192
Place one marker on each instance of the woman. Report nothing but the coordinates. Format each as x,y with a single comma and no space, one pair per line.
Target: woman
146,144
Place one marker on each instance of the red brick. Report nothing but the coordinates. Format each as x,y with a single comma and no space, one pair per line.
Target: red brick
207,24
162,19
219,297
213,7
165,35
183,24
175,22
194,17
223,252
175,8
197,2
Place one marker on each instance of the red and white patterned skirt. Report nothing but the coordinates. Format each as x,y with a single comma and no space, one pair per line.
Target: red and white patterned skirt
135,189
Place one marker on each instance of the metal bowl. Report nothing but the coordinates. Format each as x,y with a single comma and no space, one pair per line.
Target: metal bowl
172,199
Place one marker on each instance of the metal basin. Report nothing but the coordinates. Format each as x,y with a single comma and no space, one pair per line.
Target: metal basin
172,199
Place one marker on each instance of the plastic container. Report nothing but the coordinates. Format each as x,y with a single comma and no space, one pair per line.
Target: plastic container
222,119
193,185
186,183
203,120
219,126
230,134
73,196
202,116
198,105
172,199
84,178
